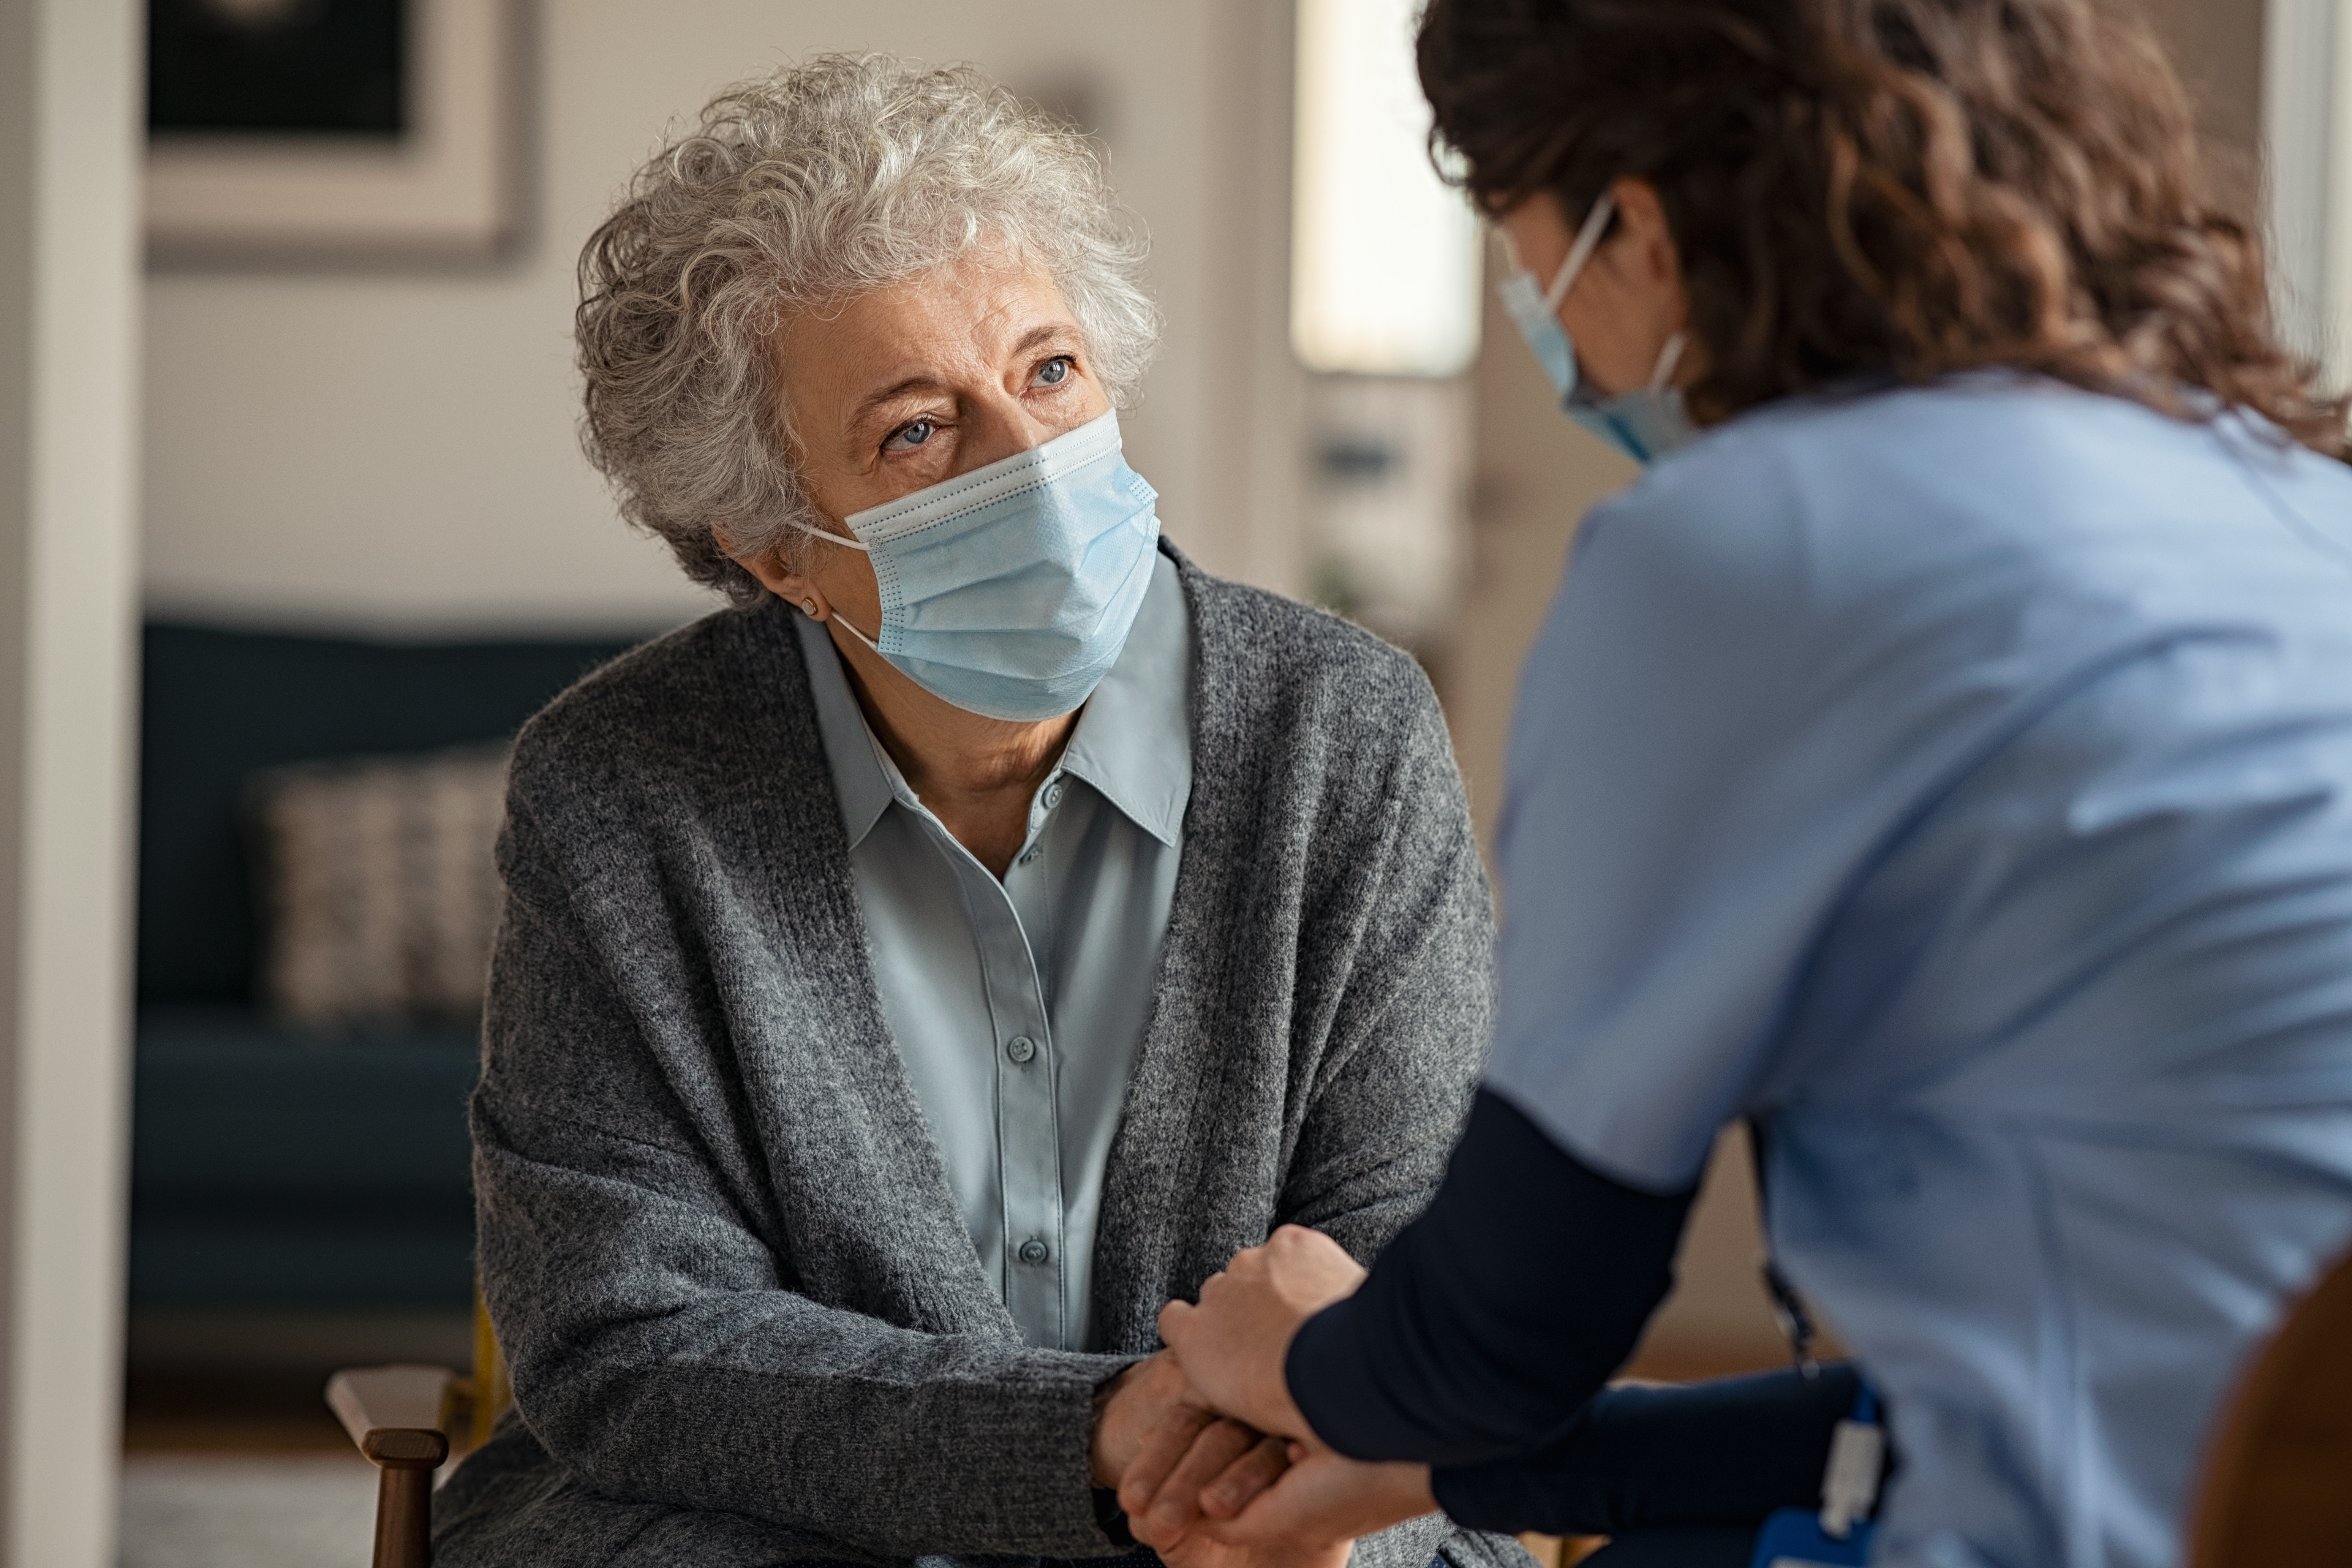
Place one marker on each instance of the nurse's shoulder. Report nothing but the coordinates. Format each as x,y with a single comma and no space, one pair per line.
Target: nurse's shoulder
1826,523
1992,505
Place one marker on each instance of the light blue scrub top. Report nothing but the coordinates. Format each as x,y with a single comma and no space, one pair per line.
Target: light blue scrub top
1959,780
1018,1006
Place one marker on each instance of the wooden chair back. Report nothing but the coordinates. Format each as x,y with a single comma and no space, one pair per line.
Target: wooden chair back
2278,1481
493,1392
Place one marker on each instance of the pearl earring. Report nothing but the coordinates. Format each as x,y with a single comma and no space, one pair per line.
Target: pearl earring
808,607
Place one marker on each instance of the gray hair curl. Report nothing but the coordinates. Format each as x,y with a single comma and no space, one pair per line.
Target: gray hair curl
797,191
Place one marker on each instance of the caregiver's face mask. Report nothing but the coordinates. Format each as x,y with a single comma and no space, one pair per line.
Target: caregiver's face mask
1644,425
1010,590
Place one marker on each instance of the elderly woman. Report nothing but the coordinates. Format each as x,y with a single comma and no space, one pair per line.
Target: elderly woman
917,973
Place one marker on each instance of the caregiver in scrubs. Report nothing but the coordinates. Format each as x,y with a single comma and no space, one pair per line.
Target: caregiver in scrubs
1941,758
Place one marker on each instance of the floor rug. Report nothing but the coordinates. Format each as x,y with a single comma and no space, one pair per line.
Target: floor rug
247,1511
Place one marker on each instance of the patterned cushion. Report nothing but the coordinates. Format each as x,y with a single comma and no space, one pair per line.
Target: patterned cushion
379,887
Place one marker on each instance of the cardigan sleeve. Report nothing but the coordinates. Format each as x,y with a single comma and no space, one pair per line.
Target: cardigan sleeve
658,1347
1410,1001
1409,1005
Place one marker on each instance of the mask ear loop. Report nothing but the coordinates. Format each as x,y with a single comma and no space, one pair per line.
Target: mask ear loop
1670,360
830,537
1588,240
852,631
845,545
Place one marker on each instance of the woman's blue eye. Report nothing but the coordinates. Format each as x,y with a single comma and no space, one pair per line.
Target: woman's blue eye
910,436
1053,372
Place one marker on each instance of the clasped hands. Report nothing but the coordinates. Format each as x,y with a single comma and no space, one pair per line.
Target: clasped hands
1213,1462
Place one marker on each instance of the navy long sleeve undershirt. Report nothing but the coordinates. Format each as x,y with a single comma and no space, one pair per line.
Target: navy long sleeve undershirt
1722,1453
1491,1319
1482,1342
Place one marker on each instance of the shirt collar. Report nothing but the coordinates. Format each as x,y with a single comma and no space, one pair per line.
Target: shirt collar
1133,741
862,774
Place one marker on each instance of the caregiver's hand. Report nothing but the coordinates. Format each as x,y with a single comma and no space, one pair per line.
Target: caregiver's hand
1162,1498
1199,1551
1237,1463
1232,1345
1278,1504
1320,1497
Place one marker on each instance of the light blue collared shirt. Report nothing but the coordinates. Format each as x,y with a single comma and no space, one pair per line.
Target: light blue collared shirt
1958,780
1018,1006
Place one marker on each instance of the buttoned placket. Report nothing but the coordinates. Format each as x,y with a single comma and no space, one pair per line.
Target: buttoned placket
1009,923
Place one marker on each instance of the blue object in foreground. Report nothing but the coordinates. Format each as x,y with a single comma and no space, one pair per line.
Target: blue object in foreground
1838,1536
1793,1538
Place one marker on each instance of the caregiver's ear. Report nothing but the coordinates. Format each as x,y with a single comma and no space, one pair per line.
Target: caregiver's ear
1645,240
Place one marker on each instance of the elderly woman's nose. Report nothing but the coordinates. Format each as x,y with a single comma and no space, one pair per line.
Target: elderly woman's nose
1002,428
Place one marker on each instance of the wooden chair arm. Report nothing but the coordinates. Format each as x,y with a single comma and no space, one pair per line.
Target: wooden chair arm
415,1398
406,1448
398,1416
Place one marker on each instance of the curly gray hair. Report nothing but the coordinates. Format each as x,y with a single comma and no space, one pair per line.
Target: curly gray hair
799,190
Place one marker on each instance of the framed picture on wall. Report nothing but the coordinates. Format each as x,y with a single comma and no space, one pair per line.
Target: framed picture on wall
346,130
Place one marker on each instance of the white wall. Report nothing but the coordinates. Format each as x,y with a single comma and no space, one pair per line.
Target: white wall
69,104
398,450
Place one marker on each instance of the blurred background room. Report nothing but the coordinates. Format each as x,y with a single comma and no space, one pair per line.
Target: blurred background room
297,532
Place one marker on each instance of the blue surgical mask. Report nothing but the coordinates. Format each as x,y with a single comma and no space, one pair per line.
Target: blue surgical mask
1644,425
1009,590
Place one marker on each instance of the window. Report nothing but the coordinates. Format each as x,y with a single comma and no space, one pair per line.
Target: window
2307,137
1385,255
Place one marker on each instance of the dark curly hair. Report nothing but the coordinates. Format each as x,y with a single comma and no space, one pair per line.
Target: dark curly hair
1888,187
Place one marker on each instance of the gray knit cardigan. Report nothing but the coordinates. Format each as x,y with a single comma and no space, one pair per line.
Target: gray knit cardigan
745,1322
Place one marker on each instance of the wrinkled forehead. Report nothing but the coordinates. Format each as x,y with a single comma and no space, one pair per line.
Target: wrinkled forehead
968,318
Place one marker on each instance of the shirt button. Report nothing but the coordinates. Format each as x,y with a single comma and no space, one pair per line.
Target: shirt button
1032,853
1053,794
1034,1251
1021,1049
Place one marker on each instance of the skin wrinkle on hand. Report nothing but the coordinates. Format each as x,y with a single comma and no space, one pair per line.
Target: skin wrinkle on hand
1233,1343
1148,1399
1152,1398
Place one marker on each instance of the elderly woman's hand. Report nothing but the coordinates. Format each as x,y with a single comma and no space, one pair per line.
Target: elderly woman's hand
1151,1407
1164,1492
1149,1402
1233,1344
1278,1502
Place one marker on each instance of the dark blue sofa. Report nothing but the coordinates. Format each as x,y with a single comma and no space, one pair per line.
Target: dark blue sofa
268,1169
